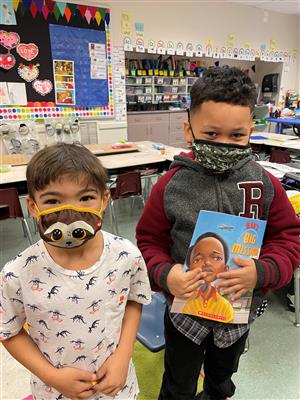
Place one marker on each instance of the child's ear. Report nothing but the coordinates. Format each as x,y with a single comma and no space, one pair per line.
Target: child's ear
105,199
31,207
187,131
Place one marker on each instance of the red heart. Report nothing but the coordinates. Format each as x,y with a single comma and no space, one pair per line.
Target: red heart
7,61
9,40
27,51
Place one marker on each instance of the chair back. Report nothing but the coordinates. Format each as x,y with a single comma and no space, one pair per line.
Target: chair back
9,197
127,184
280,157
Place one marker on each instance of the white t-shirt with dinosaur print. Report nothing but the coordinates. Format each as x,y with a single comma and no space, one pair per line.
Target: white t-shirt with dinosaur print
74,317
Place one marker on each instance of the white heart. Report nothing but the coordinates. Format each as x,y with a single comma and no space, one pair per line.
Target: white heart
43,87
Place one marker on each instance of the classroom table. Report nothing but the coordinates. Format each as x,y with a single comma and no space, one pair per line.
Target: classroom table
95,148
280,122
144,157
275,140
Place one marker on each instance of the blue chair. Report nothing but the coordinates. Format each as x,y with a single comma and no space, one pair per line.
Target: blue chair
151,331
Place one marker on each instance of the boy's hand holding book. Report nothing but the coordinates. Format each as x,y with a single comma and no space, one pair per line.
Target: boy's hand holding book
182,283
238,281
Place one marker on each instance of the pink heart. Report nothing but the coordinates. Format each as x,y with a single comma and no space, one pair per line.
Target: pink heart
43,87
27,51
7,61
9,40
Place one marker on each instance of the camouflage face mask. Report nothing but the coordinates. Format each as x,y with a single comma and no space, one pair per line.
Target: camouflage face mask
219,157
68,226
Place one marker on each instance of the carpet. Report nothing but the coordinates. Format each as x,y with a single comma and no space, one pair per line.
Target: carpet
149,370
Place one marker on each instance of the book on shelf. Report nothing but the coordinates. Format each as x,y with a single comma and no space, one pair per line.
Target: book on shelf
217,239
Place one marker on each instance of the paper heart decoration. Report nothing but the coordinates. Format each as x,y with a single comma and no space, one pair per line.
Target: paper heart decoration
27,51
43,87
9,40
28,72
7,61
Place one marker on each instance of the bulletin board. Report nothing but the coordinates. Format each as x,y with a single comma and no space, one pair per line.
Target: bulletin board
55,60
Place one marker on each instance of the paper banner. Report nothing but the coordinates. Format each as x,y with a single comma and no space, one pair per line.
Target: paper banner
57,9
56,12
39,4
68,14
98,17
27,4
45,11
82,9
16,4
273,44
93,10
126,24
230,40
139,30
88,15
50,5
7,13
33,9
107,17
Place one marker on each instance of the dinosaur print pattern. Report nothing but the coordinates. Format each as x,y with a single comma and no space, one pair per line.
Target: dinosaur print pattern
74,317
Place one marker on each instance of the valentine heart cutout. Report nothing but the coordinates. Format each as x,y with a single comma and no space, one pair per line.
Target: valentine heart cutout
28,51
43,87
9,40
7,61
28,72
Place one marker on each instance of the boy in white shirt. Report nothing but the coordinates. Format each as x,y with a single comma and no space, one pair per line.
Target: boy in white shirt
80,289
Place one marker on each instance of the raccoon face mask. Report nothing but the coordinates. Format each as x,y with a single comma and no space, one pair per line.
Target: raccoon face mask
69,226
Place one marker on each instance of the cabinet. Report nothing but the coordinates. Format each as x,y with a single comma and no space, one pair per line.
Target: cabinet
176,133
153,127
157,127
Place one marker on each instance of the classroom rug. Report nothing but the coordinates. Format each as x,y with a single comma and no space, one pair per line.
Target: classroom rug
149,370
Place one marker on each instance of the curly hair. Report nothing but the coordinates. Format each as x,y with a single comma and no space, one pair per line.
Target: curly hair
223,85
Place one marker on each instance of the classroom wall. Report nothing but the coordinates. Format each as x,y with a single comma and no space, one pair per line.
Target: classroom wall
197,22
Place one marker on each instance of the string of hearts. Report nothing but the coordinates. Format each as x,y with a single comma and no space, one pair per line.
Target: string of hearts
11,40
30,73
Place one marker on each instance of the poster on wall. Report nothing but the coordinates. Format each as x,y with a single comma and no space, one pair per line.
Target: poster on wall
69,43
64,82
98,61
7,13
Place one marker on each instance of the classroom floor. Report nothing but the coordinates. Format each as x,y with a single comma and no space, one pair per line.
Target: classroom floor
269,370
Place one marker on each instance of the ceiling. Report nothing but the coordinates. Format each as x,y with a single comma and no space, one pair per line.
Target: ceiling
281,6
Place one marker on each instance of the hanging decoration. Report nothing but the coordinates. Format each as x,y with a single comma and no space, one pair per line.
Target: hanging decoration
42,87
28,72
27,51
7,61
63,10
9,40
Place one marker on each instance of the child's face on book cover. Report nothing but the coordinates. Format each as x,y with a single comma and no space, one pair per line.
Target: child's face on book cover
208,255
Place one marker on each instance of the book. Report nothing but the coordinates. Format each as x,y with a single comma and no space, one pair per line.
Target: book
216,240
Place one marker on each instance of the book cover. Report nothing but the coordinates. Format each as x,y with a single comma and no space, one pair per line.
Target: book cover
216,240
